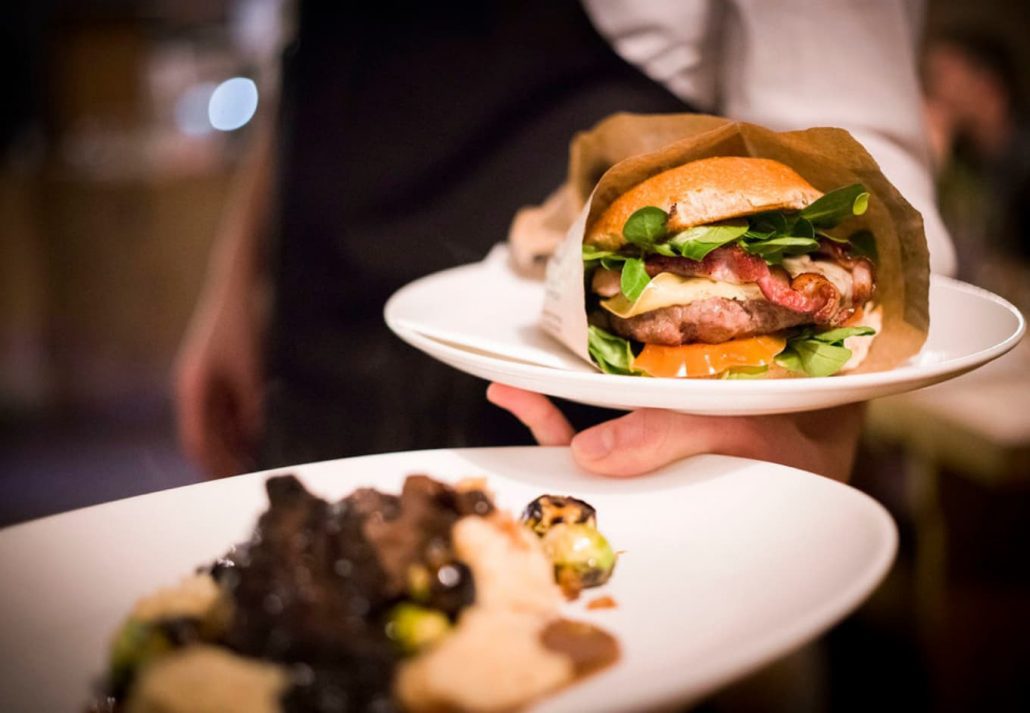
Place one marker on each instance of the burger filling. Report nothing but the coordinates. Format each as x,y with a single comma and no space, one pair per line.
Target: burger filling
709,289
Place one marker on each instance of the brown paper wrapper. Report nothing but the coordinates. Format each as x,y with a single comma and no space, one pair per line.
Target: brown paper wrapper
625,149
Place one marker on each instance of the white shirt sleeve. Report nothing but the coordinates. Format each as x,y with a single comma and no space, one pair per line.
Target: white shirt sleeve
794,64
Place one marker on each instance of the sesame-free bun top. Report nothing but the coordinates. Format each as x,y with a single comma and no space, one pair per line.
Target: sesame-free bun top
706,191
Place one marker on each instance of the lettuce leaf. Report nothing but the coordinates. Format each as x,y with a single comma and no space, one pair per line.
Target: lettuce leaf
695,243
646,226
634,278
772,235
612,354
745,372
837,205
593,256
774,249
819,353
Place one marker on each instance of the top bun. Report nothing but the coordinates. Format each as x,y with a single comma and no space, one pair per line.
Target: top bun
706,191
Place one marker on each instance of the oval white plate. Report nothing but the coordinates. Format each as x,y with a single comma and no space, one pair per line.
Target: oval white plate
482,319
728,563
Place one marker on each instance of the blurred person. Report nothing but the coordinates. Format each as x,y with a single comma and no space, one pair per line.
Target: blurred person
407,138
981,140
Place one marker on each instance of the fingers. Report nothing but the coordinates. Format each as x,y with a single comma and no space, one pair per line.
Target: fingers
213,429
822,442
640,442
535,411
227,446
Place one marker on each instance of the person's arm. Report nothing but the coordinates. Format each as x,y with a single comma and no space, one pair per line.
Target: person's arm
218,372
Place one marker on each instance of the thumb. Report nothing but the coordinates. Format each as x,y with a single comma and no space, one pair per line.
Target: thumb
640,442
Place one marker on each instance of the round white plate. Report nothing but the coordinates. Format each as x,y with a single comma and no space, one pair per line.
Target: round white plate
482,319
728,563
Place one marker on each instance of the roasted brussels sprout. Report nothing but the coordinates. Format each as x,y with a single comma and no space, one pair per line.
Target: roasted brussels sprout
419,582
582,557
413,627
549,510
449,587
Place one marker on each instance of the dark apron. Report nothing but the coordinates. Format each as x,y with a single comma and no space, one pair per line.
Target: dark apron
411,133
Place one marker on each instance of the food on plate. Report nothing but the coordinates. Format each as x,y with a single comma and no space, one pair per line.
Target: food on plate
430,600
414,627
581,555
548,510
730,267
567,526
193,611
604,602
711,248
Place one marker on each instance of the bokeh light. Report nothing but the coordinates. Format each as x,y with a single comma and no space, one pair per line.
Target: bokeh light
232,103
191,109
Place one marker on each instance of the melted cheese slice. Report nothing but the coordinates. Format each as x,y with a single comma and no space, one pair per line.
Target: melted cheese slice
667,289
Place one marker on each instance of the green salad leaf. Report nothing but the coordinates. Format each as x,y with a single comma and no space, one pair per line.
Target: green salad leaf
695,243
646,226
745,372
802,228
775,235
612,354
766,225
608,259
772,235
837,336
863,243
819,353
837,205
592,252
774,249
634,278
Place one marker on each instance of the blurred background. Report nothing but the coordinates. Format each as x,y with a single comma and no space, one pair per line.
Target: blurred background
122,126
123,123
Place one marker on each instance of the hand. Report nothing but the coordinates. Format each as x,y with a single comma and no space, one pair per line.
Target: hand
822,442
218,380
218,373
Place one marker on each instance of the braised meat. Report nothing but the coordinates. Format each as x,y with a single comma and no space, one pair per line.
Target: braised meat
314,584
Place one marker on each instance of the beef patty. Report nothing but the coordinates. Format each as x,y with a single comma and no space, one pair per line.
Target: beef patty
714,320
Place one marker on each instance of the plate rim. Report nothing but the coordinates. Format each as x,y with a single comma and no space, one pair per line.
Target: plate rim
899,375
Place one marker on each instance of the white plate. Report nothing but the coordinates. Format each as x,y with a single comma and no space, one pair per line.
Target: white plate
728,564
482,319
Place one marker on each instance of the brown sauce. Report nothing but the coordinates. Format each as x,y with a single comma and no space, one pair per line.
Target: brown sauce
588,647
604,602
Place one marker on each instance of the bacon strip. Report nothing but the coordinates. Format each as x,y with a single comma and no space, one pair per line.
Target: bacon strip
808,293
726,264
862,272
818,290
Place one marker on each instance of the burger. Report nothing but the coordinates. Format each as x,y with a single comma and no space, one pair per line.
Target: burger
730,267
